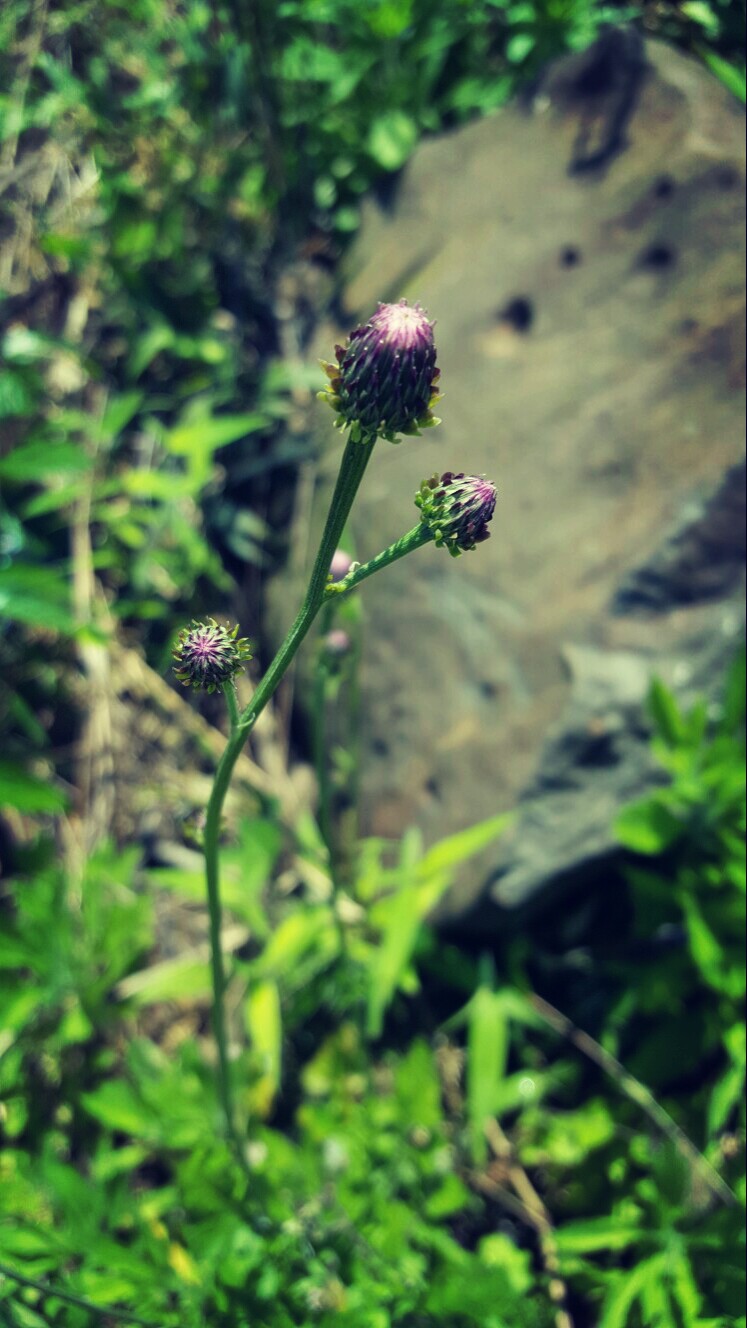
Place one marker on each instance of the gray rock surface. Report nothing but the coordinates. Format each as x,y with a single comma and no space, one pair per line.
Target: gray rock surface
584,258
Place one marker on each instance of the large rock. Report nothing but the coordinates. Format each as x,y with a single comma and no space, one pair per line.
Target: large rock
583,257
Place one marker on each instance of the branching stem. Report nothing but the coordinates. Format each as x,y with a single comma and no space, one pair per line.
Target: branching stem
414,539
352,468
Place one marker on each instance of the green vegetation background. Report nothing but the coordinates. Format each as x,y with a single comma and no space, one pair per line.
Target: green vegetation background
430,1141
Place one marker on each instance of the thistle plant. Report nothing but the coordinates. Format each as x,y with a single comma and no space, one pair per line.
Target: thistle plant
383,384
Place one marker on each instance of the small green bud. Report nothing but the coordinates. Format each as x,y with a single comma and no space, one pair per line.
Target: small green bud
208,655
457,509
385,380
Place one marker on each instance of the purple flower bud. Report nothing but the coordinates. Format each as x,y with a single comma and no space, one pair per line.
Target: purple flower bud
385,379
340,565
207,655
337,643
457,509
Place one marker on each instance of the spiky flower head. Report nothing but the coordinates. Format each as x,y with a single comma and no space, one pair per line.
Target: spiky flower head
457,509
384,381
208,655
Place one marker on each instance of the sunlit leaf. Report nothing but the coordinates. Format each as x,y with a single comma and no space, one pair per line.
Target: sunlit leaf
648,827
264,1024
391,139
487,1053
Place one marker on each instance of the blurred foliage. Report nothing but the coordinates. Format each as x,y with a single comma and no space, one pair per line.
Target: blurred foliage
384,1189
160,164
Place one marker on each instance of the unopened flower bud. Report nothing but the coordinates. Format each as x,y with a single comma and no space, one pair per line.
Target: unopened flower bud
208,655
337,643
457,509
340,565
385,379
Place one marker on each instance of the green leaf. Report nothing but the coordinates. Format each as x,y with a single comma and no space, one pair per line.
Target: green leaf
182,978
462,1290
264,1024
666,714
519,47
594,1234
148,346
400,916
487,1055
28,794
726,1095
648,827
570,1136
210,433
450,853
391,139
198,440
417,1087
16,396
701,13
52,499
684,1287
35,595
156,485
118,414
305,940
628,1288
116,1105
37,461
732,76
452,1196
705,949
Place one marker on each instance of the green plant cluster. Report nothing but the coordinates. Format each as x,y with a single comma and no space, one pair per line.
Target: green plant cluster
423,1151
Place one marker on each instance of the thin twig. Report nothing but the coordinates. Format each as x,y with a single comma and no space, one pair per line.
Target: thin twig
539,1217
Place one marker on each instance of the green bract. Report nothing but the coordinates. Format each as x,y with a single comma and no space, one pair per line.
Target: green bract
457,509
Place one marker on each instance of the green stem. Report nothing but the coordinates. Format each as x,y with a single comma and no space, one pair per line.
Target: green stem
215,920
414,539
352,468
232,702
320,732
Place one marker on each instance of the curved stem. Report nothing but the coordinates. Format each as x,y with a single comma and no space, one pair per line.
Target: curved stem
414,539
352,468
